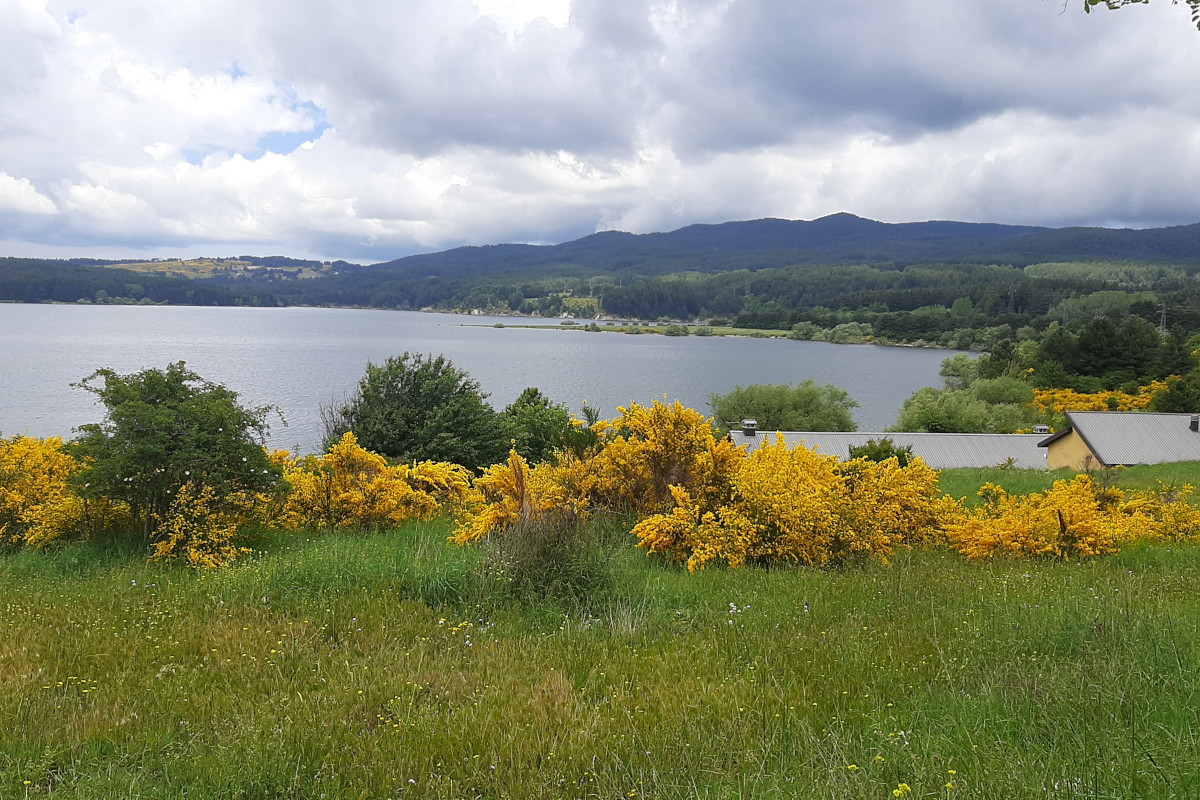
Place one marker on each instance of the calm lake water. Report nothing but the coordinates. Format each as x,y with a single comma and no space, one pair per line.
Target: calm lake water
299,358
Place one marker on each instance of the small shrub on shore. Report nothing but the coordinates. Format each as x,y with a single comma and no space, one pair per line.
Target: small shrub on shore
163,429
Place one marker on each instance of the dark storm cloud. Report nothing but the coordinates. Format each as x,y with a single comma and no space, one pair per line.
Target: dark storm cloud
776,70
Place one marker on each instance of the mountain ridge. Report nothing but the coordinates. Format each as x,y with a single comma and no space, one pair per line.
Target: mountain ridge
769,242
538,277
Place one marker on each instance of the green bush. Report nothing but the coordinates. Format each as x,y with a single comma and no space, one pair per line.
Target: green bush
996,391
415,407
535,426
957,411
805,406
882,450
163,429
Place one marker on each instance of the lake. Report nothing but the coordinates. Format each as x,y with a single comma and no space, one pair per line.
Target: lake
300,358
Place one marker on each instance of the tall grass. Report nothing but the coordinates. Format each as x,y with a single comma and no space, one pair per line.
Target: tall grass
965,483
382,665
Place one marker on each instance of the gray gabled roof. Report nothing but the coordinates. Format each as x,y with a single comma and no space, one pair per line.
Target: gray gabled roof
1136,437
938,450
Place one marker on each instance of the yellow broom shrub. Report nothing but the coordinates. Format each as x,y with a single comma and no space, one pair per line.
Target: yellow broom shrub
888,504
36,501
796,506
1073,519
1162,514
199,529
38,504
350,487
631,466
512,492
1056,401
652,448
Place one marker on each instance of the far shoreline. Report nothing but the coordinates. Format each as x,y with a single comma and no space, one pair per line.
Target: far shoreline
629,327
640,327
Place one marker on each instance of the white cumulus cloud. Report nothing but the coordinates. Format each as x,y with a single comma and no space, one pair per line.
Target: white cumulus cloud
377,128
19,195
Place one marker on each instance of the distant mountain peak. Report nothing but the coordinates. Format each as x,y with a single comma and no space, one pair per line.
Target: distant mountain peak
846,215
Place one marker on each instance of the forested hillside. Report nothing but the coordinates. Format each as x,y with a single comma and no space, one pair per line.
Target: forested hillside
28,280
840,278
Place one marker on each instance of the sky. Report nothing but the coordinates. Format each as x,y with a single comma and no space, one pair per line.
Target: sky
372,129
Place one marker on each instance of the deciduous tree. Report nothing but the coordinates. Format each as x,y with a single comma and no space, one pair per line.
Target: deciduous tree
415,407
536,426
957,411
1194,5
805,406
163,429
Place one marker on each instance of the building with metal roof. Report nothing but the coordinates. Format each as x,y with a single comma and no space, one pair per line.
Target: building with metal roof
938,450
1116,438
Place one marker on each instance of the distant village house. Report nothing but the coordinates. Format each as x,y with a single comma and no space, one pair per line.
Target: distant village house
1121,438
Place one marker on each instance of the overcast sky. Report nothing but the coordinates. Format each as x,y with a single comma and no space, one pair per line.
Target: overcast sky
372,129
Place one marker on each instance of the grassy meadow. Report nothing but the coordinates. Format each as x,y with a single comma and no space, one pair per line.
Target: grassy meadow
392,665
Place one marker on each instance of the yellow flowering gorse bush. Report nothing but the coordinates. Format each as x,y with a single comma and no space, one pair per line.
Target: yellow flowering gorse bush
654,448
1073,519
632,468
893,503
200,530
37,502
1056,401
513,492
700,500
796,506
350,487
1163,514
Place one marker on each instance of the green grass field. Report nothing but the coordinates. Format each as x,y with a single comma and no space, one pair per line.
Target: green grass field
393,665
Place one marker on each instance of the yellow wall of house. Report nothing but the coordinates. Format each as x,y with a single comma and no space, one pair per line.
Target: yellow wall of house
1070,451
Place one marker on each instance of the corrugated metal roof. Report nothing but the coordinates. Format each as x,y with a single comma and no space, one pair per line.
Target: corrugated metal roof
938,450
1137,437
